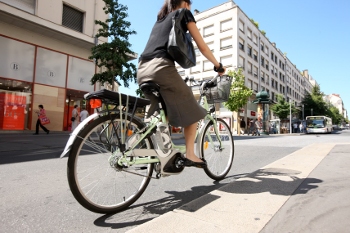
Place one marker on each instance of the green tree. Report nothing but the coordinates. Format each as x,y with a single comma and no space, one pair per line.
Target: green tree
239,93
114,55
282,108
334,113
314,101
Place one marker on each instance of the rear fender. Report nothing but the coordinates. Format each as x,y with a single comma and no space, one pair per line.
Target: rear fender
76,131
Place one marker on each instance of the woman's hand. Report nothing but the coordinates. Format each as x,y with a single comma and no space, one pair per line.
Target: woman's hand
220,69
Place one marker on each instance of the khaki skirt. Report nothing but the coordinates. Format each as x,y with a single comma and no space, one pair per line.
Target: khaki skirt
182,108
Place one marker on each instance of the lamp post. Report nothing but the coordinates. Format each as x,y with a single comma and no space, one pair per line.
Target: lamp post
290,116
303,110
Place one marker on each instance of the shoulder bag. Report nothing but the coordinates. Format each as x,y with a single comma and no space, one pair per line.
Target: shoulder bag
180,45
44,120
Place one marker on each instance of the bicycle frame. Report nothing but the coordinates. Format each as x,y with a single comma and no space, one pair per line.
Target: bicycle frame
151,152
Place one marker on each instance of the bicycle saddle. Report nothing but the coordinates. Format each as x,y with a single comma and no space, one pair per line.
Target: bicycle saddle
151,92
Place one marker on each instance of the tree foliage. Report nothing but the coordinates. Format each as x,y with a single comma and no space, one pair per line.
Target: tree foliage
314,101
114,55
282,108
239,93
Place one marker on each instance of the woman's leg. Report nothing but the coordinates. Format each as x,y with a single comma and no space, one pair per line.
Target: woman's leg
190,135
43,127
37,126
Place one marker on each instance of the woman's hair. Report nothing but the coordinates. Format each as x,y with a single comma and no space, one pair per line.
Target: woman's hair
41,106
169,6
75,106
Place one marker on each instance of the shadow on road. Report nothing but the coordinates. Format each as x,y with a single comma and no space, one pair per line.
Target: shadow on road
273,180
154,208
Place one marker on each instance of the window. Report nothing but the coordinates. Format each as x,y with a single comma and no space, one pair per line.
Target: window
272,56
262,46
255,87
267,79
72,18
181,72
255,71
211,46
241,62
267,50
275,59
249,50
226,43
250,84
241,26
26,5
262,61
208,31
249,34
255,39
272,69
207,65
197,52
262,76
195,69
267,64
226,61
226,25
241,44
272,83
250,68
255,55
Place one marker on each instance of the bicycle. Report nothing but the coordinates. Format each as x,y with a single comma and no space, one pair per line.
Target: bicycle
113,153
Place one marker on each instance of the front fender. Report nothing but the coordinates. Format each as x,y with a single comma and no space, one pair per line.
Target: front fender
76,131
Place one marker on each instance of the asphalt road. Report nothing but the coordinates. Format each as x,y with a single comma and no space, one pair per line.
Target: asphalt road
35,196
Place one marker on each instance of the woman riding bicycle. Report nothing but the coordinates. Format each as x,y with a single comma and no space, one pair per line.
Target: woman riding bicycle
156,65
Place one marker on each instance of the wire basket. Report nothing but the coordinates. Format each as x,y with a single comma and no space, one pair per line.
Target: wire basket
221,91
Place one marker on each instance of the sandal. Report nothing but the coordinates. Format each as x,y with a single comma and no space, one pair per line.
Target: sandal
190,163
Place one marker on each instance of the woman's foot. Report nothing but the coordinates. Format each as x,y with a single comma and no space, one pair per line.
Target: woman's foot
190,163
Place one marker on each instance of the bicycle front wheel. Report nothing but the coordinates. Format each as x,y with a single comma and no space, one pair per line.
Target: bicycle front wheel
94,179
217,153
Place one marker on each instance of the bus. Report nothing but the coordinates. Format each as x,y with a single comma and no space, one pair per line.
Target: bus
318,124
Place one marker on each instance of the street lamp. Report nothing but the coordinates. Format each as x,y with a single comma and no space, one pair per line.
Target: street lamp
303,110
290,116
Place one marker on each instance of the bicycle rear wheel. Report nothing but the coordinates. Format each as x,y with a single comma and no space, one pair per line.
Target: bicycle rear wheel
219,157
96,183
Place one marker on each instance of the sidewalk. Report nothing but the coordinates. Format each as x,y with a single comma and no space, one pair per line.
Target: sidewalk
306,191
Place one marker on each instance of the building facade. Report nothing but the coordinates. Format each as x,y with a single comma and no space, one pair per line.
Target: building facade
44,48
238,43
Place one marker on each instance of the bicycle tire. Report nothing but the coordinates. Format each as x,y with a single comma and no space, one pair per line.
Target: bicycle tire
219,161
97,185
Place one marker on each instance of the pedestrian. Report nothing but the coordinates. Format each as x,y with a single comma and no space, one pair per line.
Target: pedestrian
258,126
83,114
75,119
242,125
41,113
301,127
295,127
252,127
156,65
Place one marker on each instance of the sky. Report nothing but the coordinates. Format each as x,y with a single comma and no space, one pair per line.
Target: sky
315,34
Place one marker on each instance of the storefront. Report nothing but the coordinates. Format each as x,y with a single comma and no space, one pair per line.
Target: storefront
31,75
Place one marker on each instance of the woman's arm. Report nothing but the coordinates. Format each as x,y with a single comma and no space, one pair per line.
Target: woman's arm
202,46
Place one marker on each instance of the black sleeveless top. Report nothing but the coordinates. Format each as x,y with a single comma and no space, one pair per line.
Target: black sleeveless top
156,46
